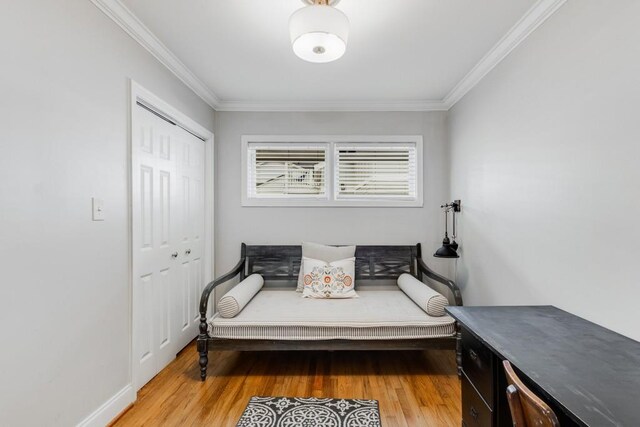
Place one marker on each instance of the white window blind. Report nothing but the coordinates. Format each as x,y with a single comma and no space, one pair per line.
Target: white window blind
332,170
368,171
286,171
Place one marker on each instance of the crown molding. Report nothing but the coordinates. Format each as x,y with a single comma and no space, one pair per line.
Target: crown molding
122,16
434,105
534,17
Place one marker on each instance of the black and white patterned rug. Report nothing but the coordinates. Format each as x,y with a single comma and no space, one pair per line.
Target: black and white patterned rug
310,412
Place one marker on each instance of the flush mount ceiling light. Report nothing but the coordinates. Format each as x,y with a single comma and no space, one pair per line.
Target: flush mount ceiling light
319,31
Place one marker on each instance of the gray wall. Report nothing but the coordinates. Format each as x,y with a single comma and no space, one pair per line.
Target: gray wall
64,297
290,225
545,158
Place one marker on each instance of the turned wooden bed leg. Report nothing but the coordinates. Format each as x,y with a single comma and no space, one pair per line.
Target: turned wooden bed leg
204,360
203,349
459,350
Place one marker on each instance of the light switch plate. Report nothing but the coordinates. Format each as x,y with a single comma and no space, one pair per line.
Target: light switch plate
98,209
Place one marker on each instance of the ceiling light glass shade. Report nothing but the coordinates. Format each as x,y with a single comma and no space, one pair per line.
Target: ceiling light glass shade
319,33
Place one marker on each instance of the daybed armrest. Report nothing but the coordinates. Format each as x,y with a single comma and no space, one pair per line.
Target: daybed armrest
423,269
206,293
203,336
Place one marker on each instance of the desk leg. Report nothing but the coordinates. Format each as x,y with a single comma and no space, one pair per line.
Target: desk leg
459,349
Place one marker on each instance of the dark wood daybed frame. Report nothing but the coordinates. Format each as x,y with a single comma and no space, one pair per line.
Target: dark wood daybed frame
282,264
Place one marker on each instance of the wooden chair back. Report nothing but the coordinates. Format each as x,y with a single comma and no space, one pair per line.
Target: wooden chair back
527,409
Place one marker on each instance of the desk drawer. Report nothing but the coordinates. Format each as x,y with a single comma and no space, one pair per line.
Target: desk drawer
475,412
477,363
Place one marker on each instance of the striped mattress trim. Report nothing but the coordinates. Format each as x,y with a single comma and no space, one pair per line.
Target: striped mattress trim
316,333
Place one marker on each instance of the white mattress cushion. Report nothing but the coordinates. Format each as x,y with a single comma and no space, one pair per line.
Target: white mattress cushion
377,314
237,298
432,302
324,253
329,280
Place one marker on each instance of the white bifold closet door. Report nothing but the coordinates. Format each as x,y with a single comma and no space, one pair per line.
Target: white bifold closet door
167,238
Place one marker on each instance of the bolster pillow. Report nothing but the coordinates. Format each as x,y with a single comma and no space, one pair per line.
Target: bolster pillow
432,302
234,301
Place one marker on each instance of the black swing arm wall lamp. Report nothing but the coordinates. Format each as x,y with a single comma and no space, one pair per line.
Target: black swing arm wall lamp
449,248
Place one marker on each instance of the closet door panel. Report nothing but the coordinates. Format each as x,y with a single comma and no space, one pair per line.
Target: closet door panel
168,240
153,242
191,183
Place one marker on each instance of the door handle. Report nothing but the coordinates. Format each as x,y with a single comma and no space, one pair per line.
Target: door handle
174,255
473,355
187,252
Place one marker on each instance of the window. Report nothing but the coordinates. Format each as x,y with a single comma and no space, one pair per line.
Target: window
286,171
332,170
375,172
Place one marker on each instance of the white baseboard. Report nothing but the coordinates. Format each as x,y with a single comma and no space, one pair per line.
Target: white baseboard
110,409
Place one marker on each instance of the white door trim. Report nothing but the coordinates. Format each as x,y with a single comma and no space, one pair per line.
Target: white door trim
139,93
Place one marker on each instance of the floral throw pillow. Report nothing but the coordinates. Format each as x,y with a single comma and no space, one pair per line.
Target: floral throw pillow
329,280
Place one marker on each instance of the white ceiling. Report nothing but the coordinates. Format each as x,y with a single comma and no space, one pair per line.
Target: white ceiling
399,51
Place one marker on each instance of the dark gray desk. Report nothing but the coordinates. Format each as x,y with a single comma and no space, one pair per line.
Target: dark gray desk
589,373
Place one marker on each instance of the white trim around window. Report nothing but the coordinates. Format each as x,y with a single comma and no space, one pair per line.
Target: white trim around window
328,178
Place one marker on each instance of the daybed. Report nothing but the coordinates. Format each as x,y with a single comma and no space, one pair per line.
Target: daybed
278,318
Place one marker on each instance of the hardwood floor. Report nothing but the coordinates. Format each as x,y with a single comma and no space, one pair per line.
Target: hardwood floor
414,388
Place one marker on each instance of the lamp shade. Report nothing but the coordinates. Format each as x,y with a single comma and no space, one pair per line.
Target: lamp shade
446,251
319,33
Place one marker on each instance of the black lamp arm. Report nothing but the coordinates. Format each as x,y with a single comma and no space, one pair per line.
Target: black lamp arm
454,206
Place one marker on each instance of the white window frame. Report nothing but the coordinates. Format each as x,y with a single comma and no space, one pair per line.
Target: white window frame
331,142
